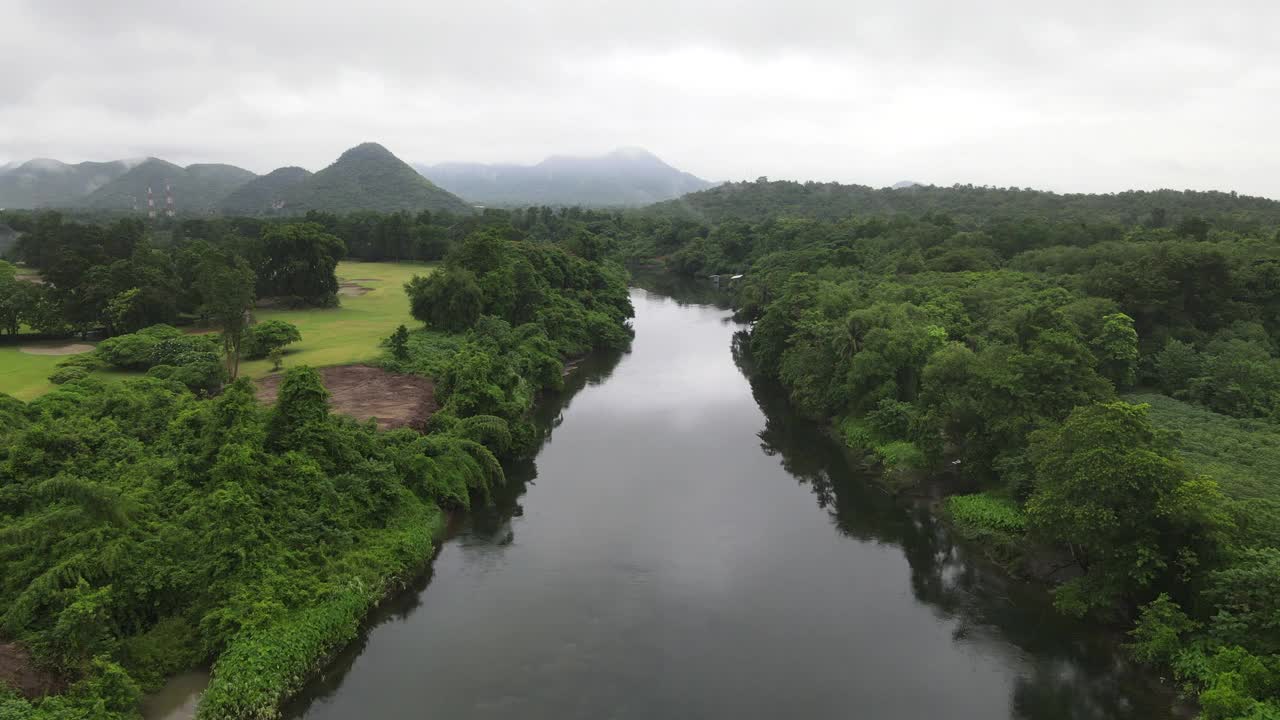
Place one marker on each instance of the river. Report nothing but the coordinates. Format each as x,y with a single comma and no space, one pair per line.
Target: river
684,546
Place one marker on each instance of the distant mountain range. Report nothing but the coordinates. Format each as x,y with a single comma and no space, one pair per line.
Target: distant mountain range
625,177
195,188
366,177
49,183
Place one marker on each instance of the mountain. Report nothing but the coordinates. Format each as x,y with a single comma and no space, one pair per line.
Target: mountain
195,188
905,184
762,199
49,183
264,194
628,176
369,177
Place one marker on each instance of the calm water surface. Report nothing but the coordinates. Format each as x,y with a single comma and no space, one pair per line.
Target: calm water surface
684,546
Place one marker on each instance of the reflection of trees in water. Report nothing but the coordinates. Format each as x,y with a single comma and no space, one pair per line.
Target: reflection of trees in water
681,289
490,526
493,523
1070,670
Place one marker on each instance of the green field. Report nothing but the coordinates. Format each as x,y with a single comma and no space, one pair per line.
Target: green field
349,333
1243,456
25,376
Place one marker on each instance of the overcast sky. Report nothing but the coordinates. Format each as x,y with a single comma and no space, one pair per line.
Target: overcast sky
1079,96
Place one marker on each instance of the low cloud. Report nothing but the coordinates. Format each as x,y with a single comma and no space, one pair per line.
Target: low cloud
1094,96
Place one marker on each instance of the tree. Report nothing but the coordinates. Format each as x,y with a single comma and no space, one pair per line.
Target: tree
447,300
298,260
1177,366
1132,517
261,339
399,343
18,300
1116,348
226,290
301,410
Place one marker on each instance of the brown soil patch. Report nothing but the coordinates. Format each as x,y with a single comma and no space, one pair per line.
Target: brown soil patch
69,349
395,399
17,672
351,288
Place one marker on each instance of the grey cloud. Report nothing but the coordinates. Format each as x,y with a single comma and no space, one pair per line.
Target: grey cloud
1087,96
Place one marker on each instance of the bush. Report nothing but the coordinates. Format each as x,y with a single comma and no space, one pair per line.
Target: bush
262,338
68,374
984,512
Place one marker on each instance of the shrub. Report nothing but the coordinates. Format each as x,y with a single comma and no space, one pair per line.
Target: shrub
262,338
985,512
68,374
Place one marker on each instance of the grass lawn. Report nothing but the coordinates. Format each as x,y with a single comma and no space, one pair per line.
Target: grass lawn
25,376
346,334
351,332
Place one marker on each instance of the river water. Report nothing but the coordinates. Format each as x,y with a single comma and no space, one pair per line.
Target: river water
684,546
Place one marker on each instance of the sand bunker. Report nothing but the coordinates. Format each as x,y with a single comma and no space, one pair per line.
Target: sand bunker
361,391
69,349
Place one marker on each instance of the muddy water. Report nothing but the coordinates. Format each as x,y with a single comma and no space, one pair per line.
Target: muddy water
684,546
178,698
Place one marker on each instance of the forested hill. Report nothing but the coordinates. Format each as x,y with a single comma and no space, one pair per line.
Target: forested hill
624,177
49,183
196,188
967,204
264,194
370,177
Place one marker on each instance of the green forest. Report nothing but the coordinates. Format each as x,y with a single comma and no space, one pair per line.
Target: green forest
168,520
1094,381
1097,377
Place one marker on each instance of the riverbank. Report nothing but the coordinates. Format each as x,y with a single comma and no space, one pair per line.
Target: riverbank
261,669
684,529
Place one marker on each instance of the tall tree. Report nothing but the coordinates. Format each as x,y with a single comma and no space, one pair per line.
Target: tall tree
226,286
1109,489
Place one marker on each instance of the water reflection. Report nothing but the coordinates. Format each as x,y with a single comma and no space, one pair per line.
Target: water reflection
1076,671
483,527
663,557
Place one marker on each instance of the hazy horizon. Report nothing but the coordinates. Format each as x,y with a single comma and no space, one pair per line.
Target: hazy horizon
1098,97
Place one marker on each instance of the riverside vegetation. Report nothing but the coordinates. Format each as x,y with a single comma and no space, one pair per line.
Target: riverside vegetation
1103,369
996,332
162,522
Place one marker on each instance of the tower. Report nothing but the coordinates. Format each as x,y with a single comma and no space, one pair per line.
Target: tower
168,199
151,204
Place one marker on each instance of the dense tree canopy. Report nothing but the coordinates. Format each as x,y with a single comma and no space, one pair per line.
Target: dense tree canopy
990,332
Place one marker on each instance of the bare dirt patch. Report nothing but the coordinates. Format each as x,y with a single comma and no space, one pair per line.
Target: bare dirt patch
18,672
362,392
68,349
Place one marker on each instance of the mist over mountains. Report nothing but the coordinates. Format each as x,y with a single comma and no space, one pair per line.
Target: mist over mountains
366,177
624,177
44,182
